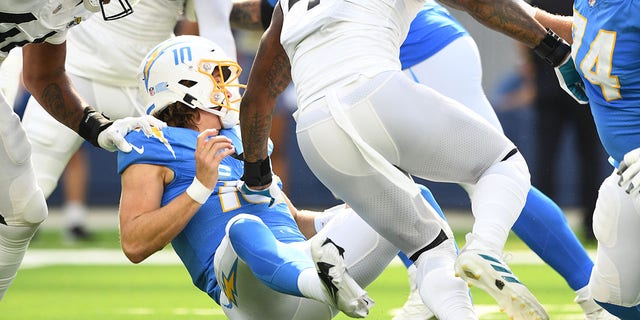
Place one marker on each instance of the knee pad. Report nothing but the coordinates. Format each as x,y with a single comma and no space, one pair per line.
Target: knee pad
515,166
27,203
36,211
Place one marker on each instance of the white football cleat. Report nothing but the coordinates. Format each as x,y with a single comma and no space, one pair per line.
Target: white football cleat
414,308
344,293
483,269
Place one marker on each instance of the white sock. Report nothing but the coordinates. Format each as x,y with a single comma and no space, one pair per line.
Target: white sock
75,213
13,245
441,291
497,200
584,300
311,286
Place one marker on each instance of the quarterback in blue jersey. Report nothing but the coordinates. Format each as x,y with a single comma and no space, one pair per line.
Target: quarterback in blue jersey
439,53
181,185
605,46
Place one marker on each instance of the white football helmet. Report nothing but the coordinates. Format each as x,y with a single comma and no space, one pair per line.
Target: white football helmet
181,69
125,9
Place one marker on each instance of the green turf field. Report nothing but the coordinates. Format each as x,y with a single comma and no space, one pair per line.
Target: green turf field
149,291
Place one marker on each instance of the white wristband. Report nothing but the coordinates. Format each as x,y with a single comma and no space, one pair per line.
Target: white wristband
198,192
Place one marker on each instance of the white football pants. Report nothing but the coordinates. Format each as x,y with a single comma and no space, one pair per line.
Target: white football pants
615,278
353,138
22,204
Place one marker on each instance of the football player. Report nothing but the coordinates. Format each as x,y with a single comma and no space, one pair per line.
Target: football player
440,53
604,70
357,120
107,82
181,185
40,28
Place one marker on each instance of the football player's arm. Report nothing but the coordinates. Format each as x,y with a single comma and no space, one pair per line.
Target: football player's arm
251,14
145,225
305,219
559,24
515,18
44,76
269,77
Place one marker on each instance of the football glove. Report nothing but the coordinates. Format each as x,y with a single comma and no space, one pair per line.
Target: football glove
112,138
628,171
570,81
272,194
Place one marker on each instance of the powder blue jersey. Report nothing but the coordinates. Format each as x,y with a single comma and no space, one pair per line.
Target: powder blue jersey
606,49
174,148
432,29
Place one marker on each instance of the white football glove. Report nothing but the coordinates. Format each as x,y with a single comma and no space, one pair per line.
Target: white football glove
272,195
628,171
112,138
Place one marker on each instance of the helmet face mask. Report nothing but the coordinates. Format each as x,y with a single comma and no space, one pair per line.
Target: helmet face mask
126,8
195,72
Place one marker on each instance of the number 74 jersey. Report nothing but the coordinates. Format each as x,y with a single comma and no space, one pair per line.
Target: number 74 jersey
606,49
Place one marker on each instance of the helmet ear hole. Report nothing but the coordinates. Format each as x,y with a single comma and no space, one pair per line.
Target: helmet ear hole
187,83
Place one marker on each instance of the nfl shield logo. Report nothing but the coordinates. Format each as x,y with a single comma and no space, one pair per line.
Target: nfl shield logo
592,3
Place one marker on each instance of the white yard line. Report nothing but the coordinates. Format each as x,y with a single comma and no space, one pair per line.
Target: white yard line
47,257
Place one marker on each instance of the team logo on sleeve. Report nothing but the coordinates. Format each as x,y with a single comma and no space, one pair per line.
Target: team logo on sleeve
157,133
229,285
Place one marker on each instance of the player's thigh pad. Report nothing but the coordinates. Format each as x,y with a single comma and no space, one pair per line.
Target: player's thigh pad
431,136
360,171
615,278
21,201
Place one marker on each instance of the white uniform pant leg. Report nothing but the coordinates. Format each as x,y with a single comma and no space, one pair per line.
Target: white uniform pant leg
245,297
22,204
469,149
10,69
414,128
456,72
366,252
615,278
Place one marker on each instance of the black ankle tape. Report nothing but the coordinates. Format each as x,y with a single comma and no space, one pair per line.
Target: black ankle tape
437,241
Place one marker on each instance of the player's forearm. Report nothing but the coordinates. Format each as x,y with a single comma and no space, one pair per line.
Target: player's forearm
269,77
559,24
151,231
246,14
509,17
45,78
